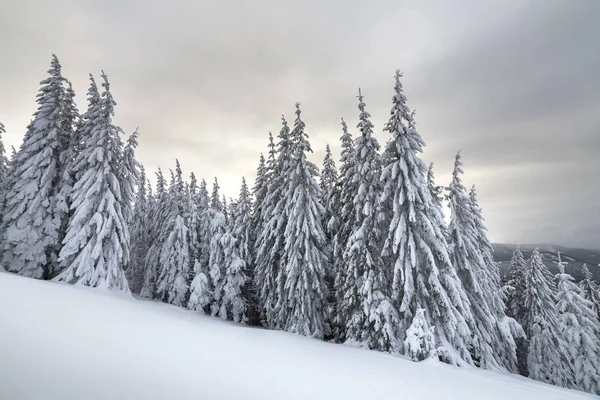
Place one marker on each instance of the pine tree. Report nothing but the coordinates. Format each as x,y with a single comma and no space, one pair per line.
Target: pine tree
161,211
470,253
436,191
204,218
226,272
328,175
580,331
547,360
130,176
304,263
140,235
423,276
338,228
215,200
30,229
96,245
172,284
370,317
515,286
200,291
420,338
589,289
70,143
269,242
4,162
243,233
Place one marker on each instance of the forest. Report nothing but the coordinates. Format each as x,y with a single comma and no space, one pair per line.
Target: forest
356,252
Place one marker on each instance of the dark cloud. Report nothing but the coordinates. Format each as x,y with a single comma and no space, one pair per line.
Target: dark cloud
513,84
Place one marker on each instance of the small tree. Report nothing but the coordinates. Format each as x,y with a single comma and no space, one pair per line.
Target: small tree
589,289
175,261
200,290
420,340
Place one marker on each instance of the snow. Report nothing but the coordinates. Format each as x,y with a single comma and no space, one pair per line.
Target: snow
72,342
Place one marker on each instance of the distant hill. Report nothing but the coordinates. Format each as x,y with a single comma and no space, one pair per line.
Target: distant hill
572,257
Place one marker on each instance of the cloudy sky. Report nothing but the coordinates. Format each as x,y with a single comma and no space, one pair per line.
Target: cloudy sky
514,84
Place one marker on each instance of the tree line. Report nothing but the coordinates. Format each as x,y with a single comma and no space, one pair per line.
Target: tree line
358,255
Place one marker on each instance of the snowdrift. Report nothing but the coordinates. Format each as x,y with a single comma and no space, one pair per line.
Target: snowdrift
70,342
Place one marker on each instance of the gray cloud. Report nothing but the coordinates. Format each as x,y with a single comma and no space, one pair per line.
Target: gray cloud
513,84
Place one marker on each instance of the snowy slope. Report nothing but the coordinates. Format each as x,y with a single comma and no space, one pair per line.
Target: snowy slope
64,342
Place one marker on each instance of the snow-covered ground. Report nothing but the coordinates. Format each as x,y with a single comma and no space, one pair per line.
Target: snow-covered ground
65,342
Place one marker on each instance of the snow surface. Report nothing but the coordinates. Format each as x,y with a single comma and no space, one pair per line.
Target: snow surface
72,342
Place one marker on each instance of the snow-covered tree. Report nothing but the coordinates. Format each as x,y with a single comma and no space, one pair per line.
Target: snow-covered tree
304,262
548,359
328,174
423,276
226,272
30,228
96,245
589,289
215,200
436,191
470,252
130,176
140,235
269,242
580,331
420,340
243,233
370,317
515,284
200,290
171,284
161,215
338,229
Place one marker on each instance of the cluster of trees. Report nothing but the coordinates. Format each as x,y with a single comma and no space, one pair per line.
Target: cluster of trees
561,320
356,255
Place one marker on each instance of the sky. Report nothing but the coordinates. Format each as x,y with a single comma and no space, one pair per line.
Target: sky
514,85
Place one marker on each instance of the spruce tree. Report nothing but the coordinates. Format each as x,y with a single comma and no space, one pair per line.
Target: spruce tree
423,276
130,176
215,200
338,229
30,226
96,244
200,290
226,272
589,289
4,162
172,284
304,263
548,359
161,213
140,235
370,317
470,253
328,175
269,242
580,331
436,191
243,233
420,338
514,286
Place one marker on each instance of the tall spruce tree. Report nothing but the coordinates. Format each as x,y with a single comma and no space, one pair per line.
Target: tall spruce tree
4,165
328,175
226,272
470,252
338,229
269,242
215,200
31,225
423,276
304,262
96,245
371,319
580,331
547,360
140,235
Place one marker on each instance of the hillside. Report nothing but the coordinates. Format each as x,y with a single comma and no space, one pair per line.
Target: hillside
72,342
573,258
